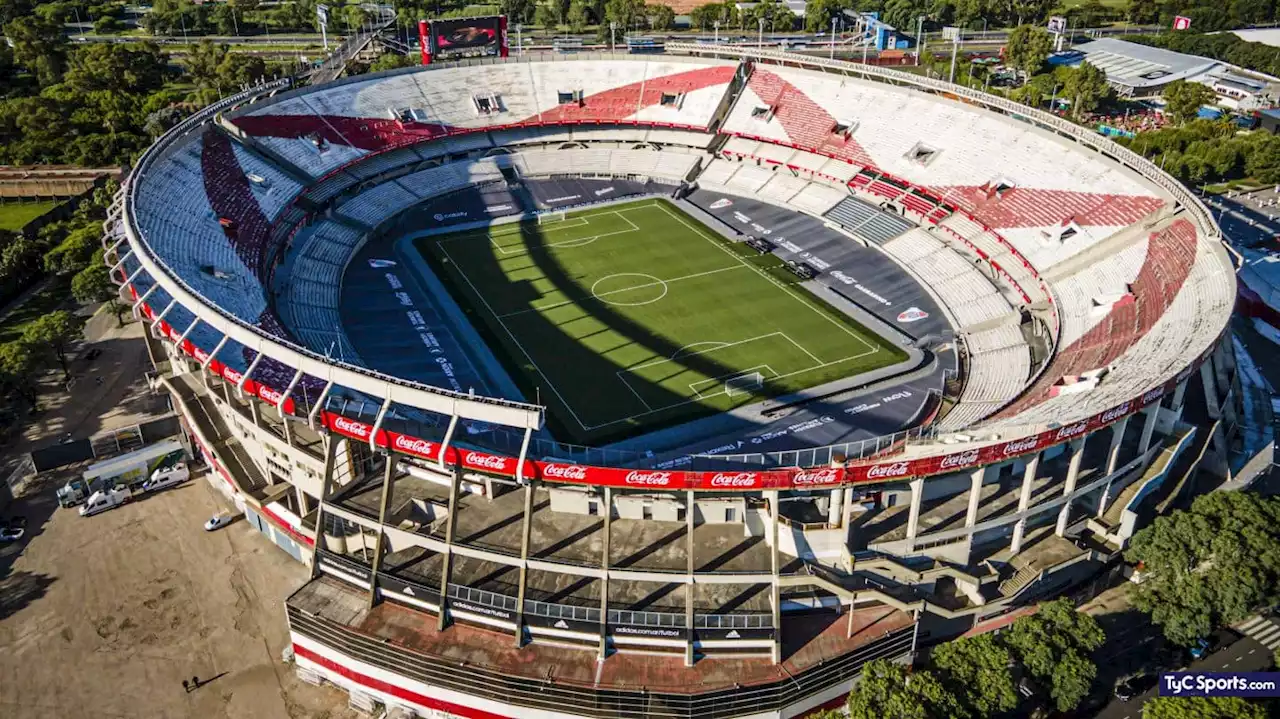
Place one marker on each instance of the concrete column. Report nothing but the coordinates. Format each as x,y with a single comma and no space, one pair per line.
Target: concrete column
1024,502
1220,370
775,568
1073,474
327,481
1117,436
1178,393
388,479
975,496
913,514
1210,390
226,391
835,509
689,586
288,433
446,566
304,507
253,412
1152,413
524,560
603,652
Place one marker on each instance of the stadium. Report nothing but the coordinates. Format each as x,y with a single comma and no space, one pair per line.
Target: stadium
677,384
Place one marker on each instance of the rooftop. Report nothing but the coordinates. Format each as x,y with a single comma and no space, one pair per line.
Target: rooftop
1142,66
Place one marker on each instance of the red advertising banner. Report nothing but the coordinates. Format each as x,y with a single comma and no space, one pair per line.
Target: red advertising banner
424,41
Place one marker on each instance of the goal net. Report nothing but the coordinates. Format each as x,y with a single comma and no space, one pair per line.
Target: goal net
550,217
743,383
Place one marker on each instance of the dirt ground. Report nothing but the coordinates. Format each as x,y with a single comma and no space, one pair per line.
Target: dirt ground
105,616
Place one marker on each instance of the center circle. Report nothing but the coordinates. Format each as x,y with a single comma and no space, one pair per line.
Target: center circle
629,289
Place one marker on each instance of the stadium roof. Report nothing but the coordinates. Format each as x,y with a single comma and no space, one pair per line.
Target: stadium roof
1141,68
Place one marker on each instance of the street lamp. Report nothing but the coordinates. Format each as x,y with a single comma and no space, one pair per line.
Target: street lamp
760,37
832,54
717,40
919,38
613,28
519,43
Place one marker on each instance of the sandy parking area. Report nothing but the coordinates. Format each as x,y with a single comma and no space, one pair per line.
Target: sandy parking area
105,616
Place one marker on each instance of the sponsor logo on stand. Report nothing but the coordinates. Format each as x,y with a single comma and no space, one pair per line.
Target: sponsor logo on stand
359,429
959,460
889,471
912,314
817,476
1115,412
270,395
1152,395
381,264
721,203
575,472
488,461
1018,446
649,479
739,480
441,217
413,445
1072,430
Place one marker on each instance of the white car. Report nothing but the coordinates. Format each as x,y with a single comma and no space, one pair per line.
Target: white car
217,521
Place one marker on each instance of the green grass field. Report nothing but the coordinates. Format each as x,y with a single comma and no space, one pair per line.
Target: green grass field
15,215
627,318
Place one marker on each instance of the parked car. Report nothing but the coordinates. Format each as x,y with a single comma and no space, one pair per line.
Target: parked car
93,354
11,534
217,521
1133,686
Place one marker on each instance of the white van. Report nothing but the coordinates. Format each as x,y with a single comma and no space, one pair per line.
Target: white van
167,477
105,499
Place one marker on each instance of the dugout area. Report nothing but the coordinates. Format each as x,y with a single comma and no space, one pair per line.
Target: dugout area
629,317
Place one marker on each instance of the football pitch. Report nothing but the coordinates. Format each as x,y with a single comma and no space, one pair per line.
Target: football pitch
626,318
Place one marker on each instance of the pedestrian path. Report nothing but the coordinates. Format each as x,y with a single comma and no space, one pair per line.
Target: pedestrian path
1263,630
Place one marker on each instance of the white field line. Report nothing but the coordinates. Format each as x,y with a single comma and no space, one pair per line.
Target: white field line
724,379
623,379
794,296
553,305
514,341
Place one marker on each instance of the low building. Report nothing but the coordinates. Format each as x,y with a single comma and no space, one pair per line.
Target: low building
1143,71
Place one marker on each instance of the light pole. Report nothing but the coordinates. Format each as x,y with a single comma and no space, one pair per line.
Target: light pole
519,43
760,37
919,38
717,40
613,28
955,50
832,54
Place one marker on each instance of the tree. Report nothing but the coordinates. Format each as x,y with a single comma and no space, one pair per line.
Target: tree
818,13
1144,12
1086,86
392,61
976,670
577,16
18,369
1027,48
75,250
625,14
903,14
777,17
1209,566
54,333
354,17
1183,99
890,691
660,17
706,16
39,46
93,284
123,67
517,10
1054,646
1202,708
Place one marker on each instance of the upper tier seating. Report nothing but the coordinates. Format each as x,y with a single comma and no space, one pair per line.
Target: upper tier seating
963,289
1008,174
323,130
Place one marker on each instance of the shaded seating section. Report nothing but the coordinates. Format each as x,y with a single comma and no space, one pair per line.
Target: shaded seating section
999,366
962,288
867,222
777,185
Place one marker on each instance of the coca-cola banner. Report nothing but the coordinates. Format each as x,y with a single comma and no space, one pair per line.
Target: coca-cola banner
883,470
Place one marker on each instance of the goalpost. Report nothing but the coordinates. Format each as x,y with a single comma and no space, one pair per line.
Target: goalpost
550,217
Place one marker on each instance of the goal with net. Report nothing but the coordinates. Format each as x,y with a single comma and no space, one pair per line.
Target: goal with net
550,216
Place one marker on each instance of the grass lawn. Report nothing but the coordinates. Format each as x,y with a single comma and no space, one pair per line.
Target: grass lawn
53,297
633,316
15,215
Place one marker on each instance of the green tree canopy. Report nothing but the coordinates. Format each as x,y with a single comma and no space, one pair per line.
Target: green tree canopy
890,691
53,334
18,368
1183,99
1028,48
976,670
1054,645
1208,566
1086,87
818,13
706,16
1202,708
39,46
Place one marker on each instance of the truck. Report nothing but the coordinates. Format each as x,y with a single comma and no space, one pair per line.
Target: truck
127,469
105,499
166,477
